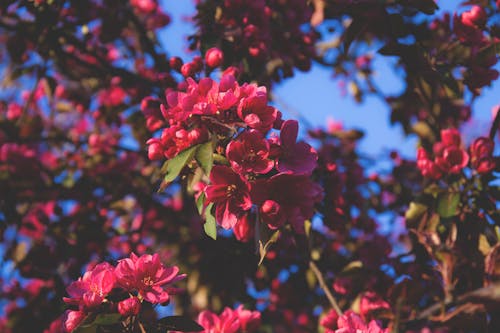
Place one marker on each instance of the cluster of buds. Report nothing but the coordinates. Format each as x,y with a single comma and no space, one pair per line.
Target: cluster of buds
239,320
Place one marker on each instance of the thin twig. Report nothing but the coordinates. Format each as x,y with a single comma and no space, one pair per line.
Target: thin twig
325,288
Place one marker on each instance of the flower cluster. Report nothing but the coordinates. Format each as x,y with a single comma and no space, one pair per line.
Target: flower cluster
270,174
239,320
469,28
349,322
134,280
449,156
252,34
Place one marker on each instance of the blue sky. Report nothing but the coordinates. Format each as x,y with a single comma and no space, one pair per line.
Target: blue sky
317,97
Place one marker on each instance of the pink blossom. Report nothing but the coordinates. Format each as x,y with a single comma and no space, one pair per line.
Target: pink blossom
295,157
249,153
249,320
90,290
227,322
254,111
350,322
147,275
482,155
230,193
296,196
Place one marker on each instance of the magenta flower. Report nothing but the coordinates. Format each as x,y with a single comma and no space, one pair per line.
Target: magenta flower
147,275
295,157
292,196
254,111
249,320
227,322
230,193
249,154
90,290
350,322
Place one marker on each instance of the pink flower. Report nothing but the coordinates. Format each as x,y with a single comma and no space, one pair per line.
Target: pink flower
475,17
147,275
482,155
296,196
90,290
453,160
254,111
249,154
249,320
129,307
145,6
350,322
295,157
244,229
230,193
226,323
451,137
272,214
214,57
370,302
329,321
73,319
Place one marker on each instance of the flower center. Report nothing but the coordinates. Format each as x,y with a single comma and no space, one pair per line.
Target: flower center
230,190
147,281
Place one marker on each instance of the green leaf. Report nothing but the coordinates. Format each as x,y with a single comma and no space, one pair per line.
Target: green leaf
266,237
178,323
174,166
415,211
210,225
448,204
91,322
205,156
200,202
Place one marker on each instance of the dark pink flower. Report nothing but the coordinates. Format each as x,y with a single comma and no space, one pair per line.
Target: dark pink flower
244,229
350,322
73,319
329,321
129,307
482,155
453,160
230,193
90,290
370,302
426,166
227,322
249,320
295,157
451,137
475,17
249,153
254,111
145,6
147,275
296,196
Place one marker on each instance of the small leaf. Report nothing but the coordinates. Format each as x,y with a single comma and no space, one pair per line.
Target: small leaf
210,225
265,240
107,319
173,166
205,156
415,211
178,323
448,204
200,203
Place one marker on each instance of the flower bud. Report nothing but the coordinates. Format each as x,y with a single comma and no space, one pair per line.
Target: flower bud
129,307
214,57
